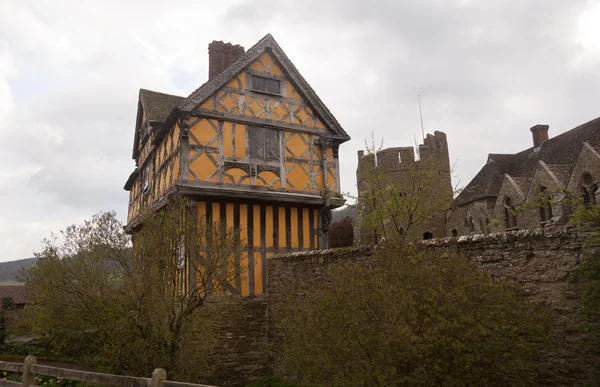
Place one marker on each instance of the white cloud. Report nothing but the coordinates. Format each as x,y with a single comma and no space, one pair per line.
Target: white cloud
70,74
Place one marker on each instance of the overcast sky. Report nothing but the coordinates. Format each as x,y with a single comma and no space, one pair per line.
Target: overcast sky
70,73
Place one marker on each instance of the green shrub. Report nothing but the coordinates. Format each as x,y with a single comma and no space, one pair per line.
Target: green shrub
411,317
23,349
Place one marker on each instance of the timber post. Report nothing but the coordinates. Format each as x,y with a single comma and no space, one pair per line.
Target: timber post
159,377
27,375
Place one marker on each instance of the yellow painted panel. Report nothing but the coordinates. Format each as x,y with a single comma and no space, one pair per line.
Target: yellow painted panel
269,226
256,209
306,228
216,214
244,224
204,132
266,59
175,167
294,232
236,176
227,139
257,248
282,230
278,110
201,211
229,214
256,65
236,82
265,178
292,92
258,288
229,101
203,167
254,106
329,154
320,124
208,104
298,178
276,70
240,140
319,177
297,145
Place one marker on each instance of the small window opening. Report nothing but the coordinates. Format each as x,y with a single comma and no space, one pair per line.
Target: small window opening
454,232
471,224
427,235
267,85
399,158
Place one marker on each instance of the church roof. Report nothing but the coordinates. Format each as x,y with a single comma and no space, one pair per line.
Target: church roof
561,150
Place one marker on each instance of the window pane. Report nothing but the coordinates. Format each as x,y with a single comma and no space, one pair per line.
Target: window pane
273,86
256,141
271,144
259,83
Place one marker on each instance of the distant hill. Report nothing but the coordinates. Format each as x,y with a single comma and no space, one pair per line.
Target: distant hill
343,212
9,271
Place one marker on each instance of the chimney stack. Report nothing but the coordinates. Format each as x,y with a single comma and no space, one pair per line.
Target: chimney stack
222,55
540,134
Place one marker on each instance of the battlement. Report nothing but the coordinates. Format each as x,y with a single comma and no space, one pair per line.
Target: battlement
403,158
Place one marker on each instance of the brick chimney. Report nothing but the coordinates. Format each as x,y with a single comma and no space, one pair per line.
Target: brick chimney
221,55
540,134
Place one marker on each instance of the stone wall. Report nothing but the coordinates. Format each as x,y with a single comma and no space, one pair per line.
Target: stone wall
241,355
542,262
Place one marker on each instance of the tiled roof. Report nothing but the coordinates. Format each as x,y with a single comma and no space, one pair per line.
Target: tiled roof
561,150
17,293
157,105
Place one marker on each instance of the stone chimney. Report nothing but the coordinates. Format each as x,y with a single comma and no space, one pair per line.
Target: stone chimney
222,55
540,134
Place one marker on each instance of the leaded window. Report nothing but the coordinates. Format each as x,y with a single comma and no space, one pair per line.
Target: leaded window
263,143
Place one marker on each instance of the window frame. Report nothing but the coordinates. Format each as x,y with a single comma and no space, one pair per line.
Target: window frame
267,80
263,157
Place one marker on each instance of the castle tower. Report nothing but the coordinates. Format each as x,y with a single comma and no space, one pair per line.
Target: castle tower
396,191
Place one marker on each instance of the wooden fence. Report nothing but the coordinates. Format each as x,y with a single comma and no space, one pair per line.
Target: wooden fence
30,369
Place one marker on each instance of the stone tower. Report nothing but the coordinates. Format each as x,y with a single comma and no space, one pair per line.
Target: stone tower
400,169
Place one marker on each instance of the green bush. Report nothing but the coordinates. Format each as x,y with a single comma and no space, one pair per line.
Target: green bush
411,317
23,349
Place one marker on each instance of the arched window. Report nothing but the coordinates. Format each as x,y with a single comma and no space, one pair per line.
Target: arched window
545,205
454,233
481,226
510,216
487,225
427,235
588,189
471,224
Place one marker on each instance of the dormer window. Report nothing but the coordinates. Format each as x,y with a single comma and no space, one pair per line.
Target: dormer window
266,85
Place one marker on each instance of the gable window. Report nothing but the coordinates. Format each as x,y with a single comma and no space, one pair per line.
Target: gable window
266,85
263,143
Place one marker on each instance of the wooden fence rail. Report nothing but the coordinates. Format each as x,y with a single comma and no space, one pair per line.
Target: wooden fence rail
30,369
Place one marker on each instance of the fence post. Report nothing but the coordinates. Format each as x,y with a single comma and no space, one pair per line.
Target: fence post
27,375
159,376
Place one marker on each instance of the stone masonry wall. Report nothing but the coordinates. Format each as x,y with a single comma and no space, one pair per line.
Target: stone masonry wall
241,355
542,262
